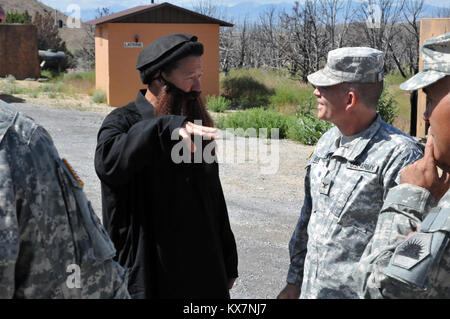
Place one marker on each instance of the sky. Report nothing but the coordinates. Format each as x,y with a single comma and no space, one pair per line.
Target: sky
63,5
93,4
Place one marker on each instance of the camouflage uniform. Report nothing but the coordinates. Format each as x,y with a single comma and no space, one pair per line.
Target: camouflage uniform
52,244
420,266
346,182
397,266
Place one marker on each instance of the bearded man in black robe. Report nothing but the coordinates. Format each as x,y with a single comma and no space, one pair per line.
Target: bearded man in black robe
167,218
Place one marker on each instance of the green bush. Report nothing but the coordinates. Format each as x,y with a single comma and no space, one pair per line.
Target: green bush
246,92
47,87
99,97
59,87
10,79
304,127
15,17
217,103
254,118
33,94
387,107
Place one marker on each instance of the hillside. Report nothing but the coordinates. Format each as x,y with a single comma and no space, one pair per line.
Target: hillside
73,37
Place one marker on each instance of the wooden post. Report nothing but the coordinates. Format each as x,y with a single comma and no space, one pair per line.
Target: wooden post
429,28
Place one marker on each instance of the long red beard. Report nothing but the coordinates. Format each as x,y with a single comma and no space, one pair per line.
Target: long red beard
192,107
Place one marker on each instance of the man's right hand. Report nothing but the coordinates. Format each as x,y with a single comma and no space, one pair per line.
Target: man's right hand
289,292
190,128
424,173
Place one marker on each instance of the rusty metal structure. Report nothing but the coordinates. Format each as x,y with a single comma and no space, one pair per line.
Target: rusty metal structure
19,51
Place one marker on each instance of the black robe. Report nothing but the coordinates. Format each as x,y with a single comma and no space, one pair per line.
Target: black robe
169,222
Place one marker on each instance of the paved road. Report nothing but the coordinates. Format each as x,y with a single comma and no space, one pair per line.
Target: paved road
263,208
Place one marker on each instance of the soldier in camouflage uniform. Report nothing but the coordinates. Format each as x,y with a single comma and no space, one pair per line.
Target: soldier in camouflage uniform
52,244
347,178
401,262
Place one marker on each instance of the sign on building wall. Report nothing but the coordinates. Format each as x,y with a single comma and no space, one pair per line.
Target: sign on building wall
133,44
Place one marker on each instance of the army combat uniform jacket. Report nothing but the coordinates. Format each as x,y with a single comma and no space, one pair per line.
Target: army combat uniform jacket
346,183
51,243
418,266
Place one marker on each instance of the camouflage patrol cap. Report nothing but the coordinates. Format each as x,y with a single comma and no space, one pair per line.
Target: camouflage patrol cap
351,64
436,63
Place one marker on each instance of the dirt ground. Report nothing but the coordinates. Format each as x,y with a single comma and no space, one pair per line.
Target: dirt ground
264,194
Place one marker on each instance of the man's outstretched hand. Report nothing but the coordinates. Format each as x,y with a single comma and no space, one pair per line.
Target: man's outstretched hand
208,133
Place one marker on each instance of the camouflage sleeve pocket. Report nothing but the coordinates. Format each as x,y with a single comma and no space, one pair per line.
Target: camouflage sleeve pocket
90,238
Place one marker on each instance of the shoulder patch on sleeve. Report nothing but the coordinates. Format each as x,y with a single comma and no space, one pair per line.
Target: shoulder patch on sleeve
412,251
72,171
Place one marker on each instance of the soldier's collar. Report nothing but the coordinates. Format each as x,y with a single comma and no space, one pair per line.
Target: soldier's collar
352,150
144,107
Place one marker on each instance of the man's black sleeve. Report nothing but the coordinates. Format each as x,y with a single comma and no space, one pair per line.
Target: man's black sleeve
123,149
229,242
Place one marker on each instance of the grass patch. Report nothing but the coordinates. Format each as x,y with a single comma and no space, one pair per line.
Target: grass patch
58,84
250,88
402,98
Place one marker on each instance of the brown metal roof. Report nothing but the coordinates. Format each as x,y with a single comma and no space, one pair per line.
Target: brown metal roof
158,13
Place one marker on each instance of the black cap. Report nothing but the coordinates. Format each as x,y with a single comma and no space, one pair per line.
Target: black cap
164,50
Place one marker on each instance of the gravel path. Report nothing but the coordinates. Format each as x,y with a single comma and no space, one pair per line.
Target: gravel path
263,208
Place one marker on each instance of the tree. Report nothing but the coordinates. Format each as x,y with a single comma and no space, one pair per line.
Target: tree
443,12
49,39
412,12
303,42
15,17
86,55
208,8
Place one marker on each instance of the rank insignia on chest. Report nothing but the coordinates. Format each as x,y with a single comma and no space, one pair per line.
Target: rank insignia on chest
325,185
73,173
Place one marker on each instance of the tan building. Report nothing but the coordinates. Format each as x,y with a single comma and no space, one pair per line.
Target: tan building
120,37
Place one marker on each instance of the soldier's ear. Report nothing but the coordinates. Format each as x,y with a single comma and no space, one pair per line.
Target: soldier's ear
351,99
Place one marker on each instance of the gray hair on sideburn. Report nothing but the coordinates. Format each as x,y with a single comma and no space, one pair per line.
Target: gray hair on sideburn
368,93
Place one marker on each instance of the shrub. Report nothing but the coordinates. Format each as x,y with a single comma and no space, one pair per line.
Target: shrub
33,94
387,107
307,129
99,97
59,87
10,79
246,92
303,127
255,118
47,87
217,103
